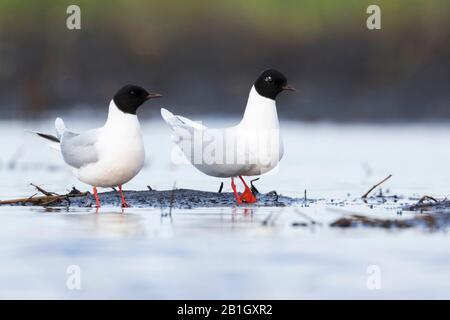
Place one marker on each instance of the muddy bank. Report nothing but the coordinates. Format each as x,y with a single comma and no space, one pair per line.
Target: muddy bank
428,221
178,198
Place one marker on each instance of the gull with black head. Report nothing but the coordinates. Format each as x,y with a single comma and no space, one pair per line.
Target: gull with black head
109,156
252,147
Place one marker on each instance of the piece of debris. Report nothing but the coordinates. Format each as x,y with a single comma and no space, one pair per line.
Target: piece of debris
49,198
253,188
310,220
44,192
429,204
376,185
431,221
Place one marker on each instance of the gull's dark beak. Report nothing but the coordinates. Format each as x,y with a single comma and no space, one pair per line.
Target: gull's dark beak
288,88
153,96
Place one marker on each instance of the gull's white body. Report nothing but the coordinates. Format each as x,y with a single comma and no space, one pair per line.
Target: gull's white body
252,147
108,156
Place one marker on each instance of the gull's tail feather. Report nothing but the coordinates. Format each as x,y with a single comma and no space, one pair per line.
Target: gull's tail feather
52,141
169,118
60,127
179,121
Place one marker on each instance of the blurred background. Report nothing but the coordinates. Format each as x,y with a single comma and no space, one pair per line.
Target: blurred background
203,56
368,105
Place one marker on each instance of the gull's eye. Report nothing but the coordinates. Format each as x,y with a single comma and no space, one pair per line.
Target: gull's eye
268,79
132,92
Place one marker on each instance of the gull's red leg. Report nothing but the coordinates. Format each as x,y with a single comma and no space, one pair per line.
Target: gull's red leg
97,200
124,203
247,196
236,194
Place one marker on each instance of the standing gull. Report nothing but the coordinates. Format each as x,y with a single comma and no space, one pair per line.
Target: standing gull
109,156
252,147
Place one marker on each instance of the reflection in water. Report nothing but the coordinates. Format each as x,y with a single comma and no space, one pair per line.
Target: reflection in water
101,223
149,223
237,212
118,224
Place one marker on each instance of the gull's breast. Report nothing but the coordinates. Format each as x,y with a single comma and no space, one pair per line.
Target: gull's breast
120,159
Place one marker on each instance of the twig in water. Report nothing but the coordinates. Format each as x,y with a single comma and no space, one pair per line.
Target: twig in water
424,206
277,215
421,200
47,199
254,190
172,198
379,183
75,191
149,188
15,158
44,192
221,187
274,193
29,199
161,204
266,219
304,215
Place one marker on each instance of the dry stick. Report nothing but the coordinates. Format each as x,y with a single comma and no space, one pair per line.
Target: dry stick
34,195
172,198
24,200
14,158
44,192
33,200
43,200
51,200
421,200
379,183
266,220
304,215
254,190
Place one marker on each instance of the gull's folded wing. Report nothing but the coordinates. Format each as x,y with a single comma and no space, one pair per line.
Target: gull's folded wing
79,150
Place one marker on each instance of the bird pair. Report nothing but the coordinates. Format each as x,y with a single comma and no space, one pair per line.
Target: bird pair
114,154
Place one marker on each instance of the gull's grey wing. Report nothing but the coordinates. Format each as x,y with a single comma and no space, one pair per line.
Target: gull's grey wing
79,150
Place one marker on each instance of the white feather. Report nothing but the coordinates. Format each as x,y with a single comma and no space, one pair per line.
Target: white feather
258,132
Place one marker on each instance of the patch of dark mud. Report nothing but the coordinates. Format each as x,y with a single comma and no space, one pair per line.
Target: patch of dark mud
178,198
429,221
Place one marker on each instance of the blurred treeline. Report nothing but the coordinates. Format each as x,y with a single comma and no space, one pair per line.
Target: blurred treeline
204,55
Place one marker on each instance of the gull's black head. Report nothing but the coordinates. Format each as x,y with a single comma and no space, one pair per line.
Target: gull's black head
130,98
270,83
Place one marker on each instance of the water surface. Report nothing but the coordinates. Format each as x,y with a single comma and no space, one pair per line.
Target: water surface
231,252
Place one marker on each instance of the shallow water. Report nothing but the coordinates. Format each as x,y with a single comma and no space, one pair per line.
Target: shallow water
232,252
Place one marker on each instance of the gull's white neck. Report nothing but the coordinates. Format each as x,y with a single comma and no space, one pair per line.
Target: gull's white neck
118,119
260,112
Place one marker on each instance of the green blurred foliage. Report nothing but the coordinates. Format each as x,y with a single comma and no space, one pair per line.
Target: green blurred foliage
303,17
184,46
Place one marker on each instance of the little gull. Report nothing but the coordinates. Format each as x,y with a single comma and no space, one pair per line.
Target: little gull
109,156
252,147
